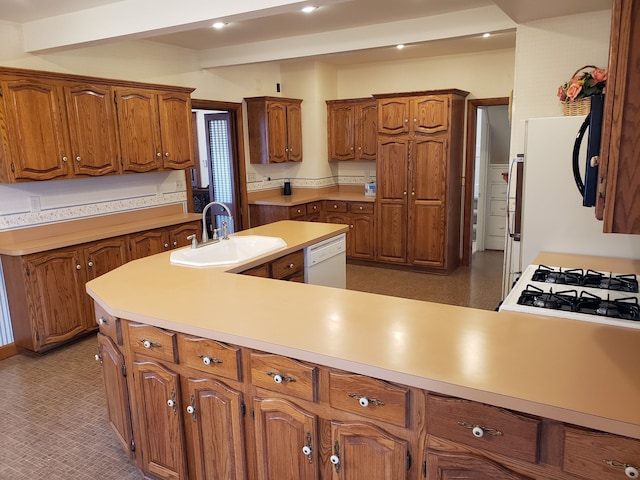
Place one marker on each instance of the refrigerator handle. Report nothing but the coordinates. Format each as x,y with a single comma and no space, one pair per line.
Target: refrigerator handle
576,154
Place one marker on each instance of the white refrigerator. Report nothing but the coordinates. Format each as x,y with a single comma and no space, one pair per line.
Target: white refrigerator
553,218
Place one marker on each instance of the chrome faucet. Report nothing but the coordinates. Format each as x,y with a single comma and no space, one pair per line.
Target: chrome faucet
205,234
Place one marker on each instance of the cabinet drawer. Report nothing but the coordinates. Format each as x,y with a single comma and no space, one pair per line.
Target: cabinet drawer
284,375
600,455
369,397
314,207
498,190
496,225
288,265
259,271
361,207
335,206
210,356
482,426
495,174
153,342
297,211
498,207
109,325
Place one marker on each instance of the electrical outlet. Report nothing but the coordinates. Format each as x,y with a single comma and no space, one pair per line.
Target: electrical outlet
34,204
180,185
251,177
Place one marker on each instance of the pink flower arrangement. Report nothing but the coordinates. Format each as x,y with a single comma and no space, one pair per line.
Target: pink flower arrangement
583,84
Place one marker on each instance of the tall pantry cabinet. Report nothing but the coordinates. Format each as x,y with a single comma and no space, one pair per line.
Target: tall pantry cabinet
419,170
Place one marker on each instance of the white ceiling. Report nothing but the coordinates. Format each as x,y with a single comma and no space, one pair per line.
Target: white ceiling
340,31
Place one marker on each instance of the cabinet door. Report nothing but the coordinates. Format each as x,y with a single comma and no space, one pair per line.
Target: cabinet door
138,127
294,132
277,132
450,466
427,225
341,219
366,131
175,130
391,208
115,383
366,452
215,430
362,236
393,116
148,243
178,235
93,129
430,114
56,293
160,421
282,431
35,130
341,132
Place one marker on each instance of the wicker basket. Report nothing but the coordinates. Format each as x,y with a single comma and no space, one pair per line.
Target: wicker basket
581,106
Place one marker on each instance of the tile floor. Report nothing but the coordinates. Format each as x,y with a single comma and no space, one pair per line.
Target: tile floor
53,421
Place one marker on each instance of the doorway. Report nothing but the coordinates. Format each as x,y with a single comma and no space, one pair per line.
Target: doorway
487,158
220,171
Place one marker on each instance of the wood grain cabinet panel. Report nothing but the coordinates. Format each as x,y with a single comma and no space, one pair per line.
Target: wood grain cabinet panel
115,382
214,430
618,202
352,129
419,168
161,240
95,144
210,357
455,466
275,129
365,451
483,426
599,455
153,342
282,430
35,137
174,111
284,375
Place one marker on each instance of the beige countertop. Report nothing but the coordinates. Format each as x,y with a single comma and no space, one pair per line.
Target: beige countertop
578,372
24,241
300,196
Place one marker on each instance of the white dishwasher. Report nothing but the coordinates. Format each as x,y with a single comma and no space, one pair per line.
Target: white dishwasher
325,263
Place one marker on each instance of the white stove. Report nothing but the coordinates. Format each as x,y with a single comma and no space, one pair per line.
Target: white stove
592,296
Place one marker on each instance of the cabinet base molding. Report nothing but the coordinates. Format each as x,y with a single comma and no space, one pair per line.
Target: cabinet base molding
8,350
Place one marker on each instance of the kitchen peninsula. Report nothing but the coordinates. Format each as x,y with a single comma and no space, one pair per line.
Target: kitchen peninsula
313,380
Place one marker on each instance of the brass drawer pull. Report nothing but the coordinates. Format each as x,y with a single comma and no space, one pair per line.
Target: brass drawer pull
149,343
280,378
479,431
630,471
209,360
365,402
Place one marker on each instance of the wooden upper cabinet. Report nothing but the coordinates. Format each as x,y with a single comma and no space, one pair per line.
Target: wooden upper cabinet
420,114
55,126
275,129
175,130
352,129
618,202
35,143
91,115
430,114
139,130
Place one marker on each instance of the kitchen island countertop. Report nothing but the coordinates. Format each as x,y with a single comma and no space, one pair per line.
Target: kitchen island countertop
576,372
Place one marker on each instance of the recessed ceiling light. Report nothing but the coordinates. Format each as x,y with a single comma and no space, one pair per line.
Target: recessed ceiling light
309,9
219,25
400,47
486,35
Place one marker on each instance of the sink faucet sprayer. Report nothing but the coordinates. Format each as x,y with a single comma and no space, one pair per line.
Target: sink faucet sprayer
225,231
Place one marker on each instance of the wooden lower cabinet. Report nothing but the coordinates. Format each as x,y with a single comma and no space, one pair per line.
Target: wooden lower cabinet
159,419
162,239
309,422
366,452
214,430
286,440
456,466
360,218
289,268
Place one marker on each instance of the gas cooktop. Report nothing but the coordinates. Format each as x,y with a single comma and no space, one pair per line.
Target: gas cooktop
588,295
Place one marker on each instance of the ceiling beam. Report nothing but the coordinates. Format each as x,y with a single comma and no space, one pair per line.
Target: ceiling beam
457,24
144,18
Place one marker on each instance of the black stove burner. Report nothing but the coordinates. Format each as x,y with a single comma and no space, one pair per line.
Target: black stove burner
562,277
622,283
624,308
536,297
577,277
